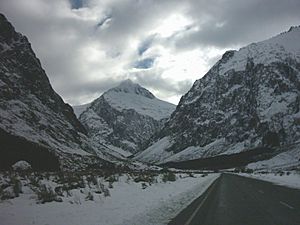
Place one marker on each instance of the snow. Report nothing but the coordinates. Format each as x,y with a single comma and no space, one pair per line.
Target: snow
129,95
186,154
292,180
156,152
287,159
196,152
155,108
119,151
171,202
78,109
21,165
235,148
276,103
289,40
232,90
128,204
271,104
129,143
14,119
282,46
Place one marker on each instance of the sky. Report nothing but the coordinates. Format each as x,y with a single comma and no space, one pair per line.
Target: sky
89,46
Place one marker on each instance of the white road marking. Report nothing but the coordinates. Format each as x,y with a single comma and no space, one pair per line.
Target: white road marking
287,205
260,191
200,205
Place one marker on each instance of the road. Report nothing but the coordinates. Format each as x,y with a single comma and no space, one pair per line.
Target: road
236,200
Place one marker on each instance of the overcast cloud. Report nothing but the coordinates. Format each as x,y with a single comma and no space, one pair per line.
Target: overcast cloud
89,46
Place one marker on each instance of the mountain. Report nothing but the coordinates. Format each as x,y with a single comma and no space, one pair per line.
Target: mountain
246,106
125,117
78,109
35,124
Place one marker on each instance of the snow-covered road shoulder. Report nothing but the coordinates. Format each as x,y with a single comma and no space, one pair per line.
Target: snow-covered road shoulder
129,202
164,203
288,179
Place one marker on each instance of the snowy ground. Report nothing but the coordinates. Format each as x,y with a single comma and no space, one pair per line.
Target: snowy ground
128,203
292,180
288,159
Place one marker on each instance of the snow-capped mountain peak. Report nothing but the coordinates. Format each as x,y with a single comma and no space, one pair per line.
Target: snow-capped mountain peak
125,116
129,95
248,100
129,87
272,50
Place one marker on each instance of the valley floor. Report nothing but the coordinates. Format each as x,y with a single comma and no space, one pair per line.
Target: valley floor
126,201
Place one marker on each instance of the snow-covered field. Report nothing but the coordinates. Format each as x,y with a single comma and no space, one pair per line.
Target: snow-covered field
288,159
129,203
292,180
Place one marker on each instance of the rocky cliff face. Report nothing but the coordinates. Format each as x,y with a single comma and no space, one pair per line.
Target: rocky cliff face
125,117
250,98
35,123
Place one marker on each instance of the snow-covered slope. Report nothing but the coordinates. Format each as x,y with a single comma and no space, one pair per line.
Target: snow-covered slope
129,95
35,124
250,98
125,117
286,160
78,109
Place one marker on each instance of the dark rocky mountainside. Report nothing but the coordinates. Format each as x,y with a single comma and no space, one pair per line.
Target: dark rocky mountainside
35,123
249,99
125,117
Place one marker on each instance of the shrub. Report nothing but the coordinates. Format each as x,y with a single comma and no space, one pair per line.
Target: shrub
281,173
191,175
17,186
7,195
59,190
247,170
47,195
146,178
144,186
106,192
236,170
92,179
89,197
34,181
169,176
111,179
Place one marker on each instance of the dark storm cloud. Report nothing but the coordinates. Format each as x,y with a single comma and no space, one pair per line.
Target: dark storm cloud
88,46
233,23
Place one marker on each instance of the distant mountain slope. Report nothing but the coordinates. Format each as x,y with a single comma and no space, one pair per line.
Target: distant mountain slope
78,109
249,99
35,124
125,117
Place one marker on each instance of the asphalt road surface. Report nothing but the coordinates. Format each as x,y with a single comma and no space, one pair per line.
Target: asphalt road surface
236,200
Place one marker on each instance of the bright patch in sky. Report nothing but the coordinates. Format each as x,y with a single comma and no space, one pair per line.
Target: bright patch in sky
171,25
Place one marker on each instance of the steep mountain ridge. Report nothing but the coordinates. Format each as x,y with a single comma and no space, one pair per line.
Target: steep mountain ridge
125,117
35,123
249,99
